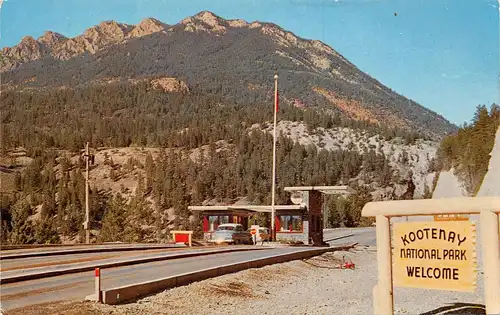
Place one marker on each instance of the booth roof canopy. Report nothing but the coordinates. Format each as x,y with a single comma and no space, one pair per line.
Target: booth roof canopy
247,207
343,190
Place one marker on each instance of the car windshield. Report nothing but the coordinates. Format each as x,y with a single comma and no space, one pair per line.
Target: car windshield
225,228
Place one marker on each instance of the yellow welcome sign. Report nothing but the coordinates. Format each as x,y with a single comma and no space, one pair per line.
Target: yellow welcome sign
435,255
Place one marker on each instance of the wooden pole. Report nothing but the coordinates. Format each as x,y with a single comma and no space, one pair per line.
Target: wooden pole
383,292
87,216
490,245
273,231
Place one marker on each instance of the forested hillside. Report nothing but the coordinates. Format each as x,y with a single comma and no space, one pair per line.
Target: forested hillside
46,200
468,150
118,115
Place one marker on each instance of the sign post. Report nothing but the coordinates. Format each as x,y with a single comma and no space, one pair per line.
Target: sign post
435,255
254,230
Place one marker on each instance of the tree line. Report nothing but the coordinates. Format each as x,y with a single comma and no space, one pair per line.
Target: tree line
120,115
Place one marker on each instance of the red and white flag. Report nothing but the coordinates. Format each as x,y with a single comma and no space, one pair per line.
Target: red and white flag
276,102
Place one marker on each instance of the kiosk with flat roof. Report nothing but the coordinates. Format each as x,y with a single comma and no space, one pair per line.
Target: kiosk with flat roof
306,226
303,221
213,216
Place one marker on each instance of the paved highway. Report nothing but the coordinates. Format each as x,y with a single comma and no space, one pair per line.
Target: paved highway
8,266
65,248
363,236
77,286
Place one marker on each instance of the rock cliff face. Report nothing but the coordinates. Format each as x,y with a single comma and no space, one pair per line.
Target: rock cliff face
408,160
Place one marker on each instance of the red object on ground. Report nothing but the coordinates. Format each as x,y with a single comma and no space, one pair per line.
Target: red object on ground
181,238
349,265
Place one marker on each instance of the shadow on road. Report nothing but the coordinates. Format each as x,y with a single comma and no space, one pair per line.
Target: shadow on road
459,309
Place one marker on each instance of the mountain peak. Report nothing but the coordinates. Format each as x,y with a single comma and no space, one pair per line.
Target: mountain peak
110,23
237,23
29,46
148,26
109,29
28,49
150,20
105,33
28,40
207,17
50,38
205,21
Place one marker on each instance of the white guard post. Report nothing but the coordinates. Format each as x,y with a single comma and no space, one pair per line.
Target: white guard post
98,284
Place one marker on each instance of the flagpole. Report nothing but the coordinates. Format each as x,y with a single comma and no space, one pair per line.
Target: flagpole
273,231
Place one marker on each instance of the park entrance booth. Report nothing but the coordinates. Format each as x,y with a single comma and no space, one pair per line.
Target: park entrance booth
300,222
213,216
307,225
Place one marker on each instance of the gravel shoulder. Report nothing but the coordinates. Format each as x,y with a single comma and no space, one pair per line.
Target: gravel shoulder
314,286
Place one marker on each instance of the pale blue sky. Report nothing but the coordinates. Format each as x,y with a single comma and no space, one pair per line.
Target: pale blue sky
443,54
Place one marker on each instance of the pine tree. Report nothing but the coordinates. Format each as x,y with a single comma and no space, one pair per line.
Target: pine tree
333,219
356,203
150,171
22,229
45,232
113,223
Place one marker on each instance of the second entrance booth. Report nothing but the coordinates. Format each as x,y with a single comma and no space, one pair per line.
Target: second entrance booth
312,220
302,221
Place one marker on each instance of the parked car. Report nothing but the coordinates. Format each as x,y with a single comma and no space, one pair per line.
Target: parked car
231,233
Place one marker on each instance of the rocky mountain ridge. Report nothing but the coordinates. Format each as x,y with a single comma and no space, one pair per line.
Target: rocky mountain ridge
60,47
232,57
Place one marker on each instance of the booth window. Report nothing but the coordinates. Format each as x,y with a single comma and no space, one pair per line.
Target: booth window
216,220
290,223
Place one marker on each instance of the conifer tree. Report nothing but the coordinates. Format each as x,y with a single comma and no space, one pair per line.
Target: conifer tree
113,223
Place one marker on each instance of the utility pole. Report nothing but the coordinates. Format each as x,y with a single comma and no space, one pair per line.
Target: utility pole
87,219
